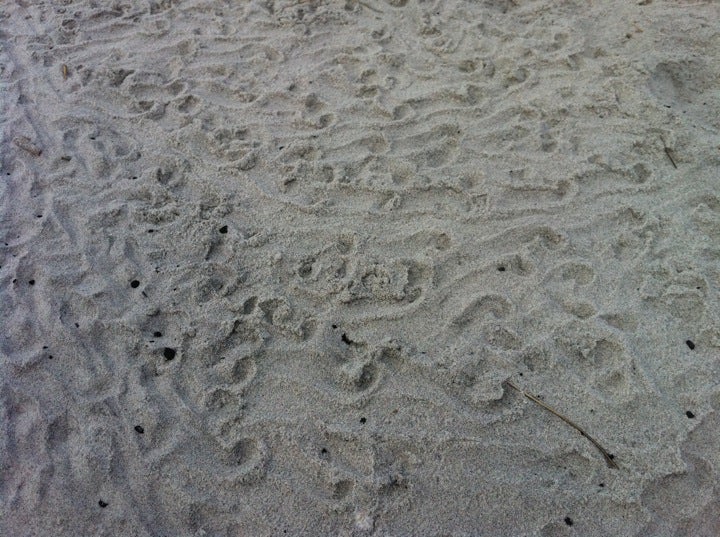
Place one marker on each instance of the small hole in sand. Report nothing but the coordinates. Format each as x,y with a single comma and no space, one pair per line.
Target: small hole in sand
305,269
346,339
569,521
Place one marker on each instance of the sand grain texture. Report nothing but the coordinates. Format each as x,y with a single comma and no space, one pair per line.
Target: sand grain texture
266,265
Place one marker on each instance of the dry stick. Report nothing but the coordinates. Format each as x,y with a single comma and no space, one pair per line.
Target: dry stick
668,153
24,143
608,457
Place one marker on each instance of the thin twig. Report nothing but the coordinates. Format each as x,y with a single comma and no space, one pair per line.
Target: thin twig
608,456
26,144
668,153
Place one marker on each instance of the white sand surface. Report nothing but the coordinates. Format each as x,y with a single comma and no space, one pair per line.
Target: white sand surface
265,267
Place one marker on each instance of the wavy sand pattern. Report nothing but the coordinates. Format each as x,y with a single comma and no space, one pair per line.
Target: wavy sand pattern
266,265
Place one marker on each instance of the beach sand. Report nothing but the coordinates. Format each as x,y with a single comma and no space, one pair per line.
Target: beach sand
266,266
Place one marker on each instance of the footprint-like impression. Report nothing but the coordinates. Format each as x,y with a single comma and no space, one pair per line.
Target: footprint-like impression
395,282
358,377
580,273
201,465
481,308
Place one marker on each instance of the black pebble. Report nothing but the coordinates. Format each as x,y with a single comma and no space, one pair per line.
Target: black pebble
690,344
363,420
224,229
689,414
157,334
568,521
139,429
134,284
169,353
501,269
102,504
32,282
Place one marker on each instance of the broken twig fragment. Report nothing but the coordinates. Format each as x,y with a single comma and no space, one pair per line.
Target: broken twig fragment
668,153
24,143
64,71
608,456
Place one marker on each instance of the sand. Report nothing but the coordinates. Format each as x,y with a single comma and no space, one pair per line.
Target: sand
266,266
